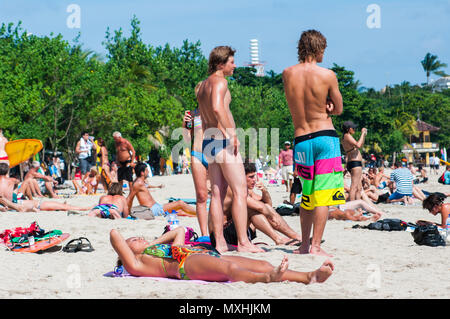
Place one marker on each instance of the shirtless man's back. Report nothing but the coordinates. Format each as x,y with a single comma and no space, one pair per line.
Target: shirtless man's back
313,95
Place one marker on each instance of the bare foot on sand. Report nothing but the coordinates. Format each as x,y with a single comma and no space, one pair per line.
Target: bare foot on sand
316,250
278,272
322,274
249,248
302,250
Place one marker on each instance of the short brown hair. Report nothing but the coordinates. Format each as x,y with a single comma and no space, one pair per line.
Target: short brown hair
219,55
115,189
311,43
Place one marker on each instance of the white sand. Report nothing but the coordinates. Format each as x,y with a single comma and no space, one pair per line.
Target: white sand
368,263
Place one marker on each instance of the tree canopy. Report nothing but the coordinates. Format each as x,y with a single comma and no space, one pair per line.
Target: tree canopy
53,90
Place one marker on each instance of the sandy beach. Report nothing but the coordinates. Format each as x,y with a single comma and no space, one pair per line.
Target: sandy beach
368,263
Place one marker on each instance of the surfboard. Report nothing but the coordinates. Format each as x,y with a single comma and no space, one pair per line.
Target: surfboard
43,244
20,151
446,163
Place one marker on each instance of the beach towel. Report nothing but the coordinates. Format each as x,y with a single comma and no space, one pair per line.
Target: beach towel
125,274
142,212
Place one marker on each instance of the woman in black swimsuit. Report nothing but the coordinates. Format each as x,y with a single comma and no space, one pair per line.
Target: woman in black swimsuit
353,157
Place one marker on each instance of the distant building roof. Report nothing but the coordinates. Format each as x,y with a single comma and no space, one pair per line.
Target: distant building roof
422,126
442,83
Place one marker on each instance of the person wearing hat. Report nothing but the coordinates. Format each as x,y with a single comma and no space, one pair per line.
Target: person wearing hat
286,161
353,157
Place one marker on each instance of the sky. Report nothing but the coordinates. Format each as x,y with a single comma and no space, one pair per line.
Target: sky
383,42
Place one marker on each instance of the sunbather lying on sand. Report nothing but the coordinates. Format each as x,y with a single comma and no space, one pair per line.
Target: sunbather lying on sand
158,259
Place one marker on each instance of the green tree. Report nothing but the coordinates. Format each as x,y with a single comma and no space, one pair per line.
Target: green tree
431,64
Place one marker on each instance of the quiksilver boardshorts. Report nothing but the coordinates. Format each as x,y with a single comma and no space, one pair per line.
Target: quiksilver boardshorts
319,165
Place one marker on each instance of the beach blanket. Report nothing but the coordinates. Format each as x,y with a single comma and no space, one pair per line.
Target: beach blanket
125,274
190,201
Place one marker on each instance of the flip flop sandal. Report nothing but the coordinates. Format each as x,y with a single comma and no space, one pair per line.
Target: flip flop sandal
76,245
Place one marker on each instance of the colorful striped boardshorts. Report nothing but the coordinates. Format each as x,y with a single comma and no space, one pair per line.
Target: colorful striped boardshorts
319,165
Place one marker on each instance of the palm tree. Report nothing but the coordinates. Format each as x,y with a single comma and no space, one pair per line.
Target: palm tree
431,64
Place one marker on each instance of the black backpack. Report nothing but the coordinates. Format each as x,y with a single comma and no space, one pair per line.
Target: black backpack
388,224
428,235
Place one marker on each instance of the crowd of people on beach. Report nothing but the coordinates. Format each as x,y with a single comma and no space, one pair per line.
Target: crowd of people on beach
232,202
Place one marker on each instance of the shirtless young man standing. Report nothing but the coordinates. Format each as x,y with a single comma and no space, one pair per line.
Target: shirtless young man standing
313,95
140,189
221,149
125,158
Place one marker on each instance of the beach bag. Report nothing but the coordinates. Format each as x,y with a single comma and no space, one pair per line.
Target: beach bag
142,212
285,210
388,224
428,235
441,179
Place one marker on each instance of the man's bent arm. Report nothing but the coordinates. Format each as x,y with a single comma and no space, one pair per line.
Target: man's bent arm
335,96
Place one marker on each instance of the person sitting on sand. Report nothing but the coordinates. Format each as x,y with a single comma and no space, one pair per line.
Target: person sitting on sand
88,184
3,155
381,180
435,205
403,180
45,182
140,190
350,211
261,214
141,258
11,188
113,205
91,182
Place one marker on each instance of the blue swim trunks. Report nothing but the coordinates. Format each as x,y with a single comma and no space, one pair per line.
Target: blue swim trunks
211,146
200,157
158,210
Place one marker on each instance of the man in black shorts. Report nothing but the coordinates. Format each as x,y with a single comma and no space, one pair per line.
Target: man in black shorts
125,158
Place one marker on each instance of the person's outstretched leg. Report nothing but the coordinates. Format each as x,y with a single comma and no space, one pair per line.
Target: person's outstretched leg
50,206
205,267
179,205
318,276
